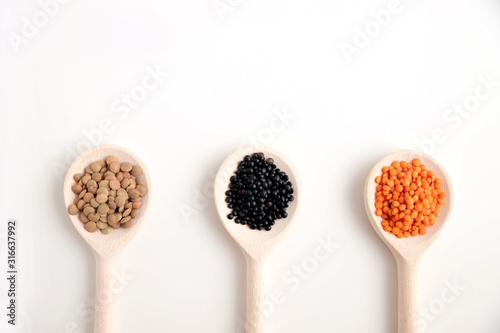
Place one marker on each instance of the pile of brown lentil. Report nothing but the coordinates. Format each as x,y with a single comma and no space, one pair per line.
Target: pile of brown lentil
108,195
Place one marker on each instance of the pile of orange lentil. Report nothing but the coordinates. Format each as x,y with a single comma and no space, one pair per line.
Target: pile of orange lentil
408,198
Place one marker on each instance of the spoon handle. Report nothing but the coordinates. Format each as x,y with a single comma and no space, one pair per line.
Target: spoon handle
256,277
104,311
407,296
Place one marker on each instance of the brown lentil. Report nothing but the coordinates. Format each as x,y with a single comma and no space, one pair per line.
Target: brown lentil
112,219
126,167
73,210
76,189
101,225
136,171
119,176
114,167
91,227
114,184
142,190
120,201
107,230
97,176
87,210
83,218
103,209
87,197
94,217
134,194
101,198
80,204
125,219
127,224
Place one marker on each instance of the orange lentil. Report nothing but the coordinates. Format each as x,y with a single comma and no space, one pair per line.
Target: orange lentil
408,198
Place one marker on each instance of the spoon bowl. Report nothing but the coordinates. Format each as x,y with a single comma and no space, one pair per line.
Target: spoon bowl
105,247
413,246
408,251
255,244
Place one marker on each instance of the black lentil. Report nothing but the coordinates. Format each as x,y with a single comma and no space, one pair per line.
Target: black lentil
259,193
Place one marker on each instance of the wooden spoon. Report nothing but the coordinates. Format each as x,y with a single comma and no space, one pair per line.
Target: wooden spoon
255,244
106,247
408,251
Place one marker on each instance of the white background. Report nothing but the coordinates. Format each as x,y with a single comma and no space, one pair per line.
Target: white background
227,77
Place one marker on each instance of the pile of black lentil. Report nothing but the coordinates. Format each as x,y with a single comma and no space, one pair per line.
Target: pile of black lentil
258,193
